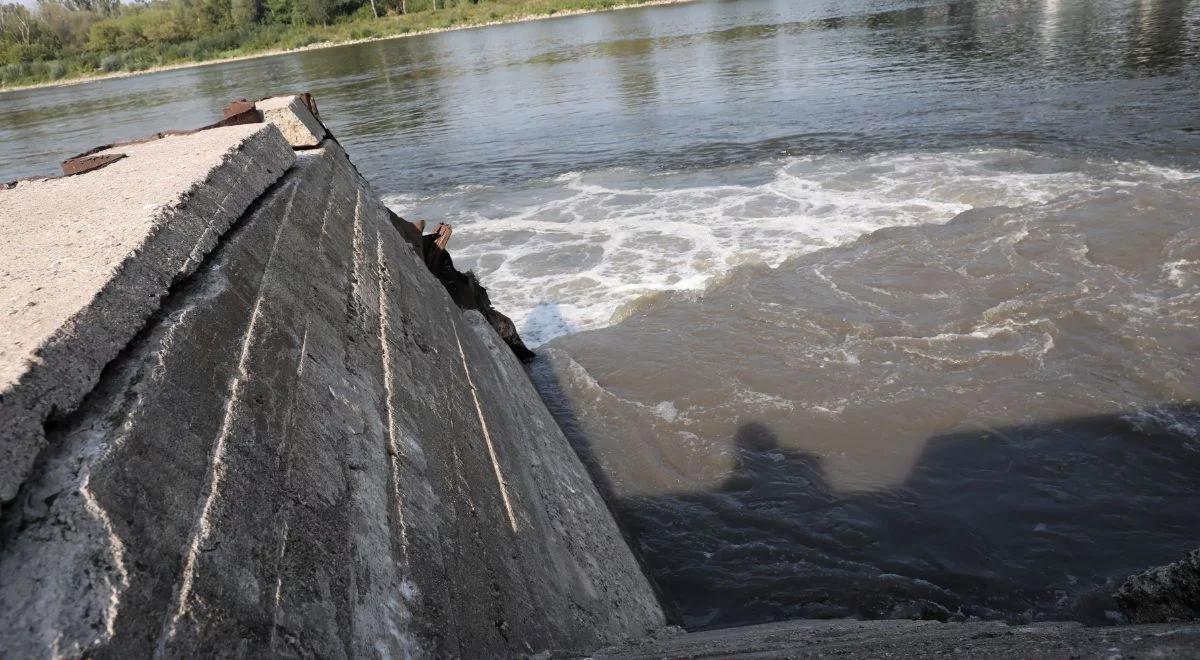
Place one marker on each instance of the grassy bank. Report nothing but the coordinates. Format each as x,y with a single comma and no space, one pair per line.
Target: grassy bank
102,55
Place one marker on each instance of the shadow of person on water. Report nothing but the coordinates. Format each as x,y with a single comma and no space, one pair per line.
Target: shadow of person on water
1027,522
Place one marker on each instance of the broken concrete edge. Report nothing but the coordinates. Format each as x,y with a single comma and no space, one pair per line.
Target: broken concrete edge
1163,594
464,288
236,113
241,105
402,460
60,369
69,366
297,118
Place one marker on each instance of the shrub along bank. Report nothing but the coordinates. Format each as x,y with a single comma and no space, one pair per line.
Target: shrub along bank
64,39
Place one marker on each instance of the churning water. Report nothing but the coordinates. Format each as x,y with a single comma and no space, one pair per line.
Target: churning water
585,250
993,417
935,355
877,308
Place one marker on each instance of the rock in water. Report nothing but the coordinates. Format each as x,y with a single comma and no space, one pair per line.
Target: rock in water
1164,593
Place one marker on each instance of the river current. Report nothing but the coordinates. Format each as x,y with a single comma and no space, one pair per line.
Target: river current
855,308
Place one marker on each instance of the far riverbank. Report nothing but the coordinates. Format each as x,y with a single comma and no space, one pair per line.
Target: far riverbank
462,17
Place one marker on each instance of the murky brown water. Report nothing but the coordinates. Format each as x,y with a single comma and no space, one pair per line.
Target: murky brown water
987,408
992,418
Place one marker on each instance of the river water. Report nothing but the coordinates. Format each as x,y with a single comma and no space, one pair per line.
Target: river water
855,308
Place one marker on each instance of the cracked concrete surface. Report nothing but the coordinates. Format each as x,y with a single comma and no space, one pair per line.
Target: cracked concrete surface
309,450
242,418
84,260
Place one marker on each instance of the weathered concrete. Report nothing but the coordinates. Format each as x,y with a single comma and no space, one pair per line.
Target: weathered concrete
1163,593
241,417
310,451
912,639
468,293
84,261
292,117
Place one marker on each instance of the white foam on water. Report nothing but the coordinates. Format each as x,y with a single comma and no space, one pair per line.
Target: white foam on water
563,255
1180,272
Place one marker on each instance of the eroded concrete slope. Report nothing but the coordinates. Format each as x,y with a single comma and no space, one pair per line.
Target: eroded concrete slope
85,260
310,451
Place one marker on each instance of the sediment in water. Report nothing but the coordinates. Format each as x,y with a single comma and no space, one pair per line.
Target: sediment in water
948,421
241,416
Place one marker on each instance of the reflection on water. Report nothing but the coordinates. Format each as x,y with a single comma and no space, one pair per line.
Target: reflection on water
706,83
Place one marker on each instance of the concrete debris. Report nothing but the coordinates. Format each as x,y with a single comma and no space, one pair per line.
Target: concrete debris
295,119
1164,593
467,292
441,235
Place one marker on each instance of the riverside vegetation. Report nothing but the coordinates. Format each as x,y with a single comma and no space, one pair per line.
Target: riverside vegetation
66,39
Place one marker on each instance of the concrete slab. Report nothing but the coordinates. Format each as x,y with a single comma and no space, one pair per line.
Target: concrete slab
85,260
311,452
293,118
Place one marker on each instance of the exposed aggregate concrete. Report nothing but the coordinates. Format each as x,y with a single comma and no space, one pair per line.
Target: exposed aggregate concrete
245,419
310,451
84,261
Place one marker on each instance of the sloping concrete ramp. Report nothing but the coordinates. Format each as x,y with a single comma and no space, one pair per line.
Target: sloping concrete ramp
239,417
85,260
289,443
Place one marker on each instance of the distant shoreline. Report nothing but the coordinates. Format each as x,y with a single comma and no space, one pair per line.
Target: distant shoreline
631,4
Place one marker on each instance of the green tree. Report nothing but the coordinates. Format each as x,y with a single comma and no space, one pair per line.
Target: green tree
101,7
319,11
70,27
24,37
19,26
247,12
280,11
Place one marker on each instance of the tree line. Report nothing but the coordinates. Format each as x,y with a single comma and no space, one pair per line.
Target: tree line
68,38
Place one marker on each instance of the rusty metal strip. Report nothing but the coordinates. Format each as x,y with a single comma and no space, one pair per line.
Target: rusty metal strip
442,232
88,163
311,104
236,113
248,116
236,108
